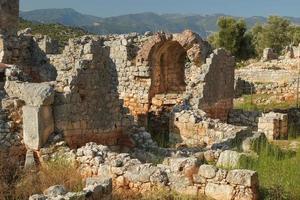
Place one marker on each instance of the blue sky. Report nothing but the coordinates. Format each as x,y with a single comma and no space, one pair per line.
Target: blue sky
105,8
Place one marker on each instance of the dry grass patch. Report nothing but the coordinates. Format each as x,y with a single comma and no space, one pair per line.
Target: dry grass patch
56,172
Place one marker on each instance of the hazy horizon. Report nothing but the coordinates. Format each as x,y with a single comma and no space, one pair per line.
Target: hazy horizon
103,8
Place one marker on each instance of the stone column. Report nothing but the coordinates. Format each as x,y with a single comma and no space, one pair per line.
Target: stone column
38,122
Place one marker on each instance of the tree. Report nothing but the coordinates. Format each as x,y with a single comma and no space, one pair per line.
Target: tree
233,37
274,34
294,35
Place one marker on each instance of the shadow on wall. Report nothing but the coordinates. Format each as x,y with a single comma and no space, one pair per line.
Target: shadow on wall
243,87
89,108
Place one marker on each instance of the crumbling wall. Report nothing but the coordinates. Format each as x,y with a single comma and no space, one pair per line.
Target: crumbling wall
9,15
212,90
87,105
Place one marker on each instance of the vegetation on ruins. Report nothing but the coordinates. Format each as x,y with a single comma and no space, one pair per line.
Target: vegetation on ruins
278,171
276,33
20,184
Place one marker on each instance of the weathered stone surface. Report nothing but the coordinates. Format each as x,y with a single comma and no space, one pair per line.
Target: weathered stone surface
9,15
243,177
38,197
34,94
55,190
29,160
274,125
207,171
37,125
229,159
219,192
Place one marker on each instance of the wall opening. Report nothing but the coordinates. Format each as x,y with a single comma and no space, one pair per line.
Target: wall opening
167,69
167,64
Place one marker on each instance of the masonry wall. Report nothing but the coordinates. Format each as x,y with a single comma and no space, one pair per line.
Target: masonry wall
213,89
87,105
9,15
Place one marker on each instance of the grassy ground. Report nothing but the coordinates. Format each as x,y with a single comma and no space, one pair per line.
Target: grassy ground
278,171
19,184
249,103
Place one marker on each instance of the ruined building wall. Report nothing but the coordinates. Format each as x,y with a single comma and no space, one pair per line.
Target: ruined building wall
87,105
213,91
9,15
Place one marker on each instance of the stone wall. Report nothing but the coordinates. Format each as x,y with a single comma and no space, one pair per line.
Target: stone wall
9,15
212,89
274,125
186,175
244,118
87,105
193,129
265,75
104,84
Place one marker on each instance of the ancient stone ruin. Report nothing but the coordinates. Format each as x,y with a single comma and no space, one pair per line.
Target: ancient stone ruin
121,91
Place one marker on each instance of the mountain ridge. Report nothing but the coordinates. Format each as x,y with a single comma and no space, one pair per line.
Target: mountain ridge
138,22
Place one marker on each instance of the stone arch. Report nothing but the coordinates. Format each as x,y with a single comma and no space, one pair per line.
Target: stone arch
167,63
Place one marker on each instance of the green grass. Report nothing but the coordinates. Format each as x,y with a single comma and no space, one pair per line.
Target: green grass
249,104
278,171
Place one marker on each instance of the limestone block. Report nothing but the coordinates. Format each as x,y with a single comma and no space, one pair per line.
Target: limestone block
34,94
55,191
38,124
29,161
219,192
243,177
229,159
207,171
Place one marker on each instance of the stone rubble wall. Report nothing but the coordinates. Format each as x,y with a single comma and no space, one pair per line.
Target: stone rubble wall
187,175
212,89
96,188
103,85
191,128
265,75
87,105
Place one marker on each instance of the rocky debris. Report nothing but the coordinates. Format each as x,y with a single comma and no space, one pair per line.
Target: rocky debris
8,136
96,188
250,143
185,174
142,138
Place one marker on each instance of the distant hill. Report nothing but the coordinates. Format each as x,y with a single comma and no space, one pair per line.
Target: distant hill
58,32
141,22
